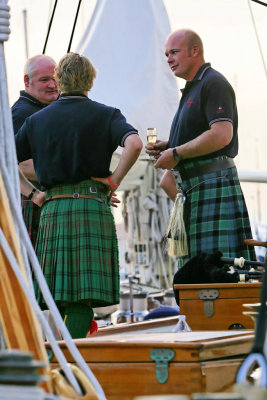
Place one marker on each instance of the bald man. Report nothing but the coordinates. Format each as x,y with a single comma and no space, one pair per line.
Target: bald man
202,145
40,91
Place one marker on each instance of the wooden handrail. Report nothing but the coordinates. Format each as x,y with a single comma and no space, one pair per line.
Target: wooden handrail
252,242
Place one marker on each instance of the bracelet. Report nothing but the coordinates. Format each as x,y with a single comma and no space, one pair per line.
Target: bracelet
112,184
31,194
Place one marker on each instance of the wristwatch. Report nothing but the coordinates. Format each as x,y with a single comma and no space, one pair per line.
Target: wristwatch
176,156
31,194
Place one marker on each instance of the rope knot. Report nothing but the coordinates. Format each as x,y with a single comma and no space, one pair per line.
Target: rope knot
4,21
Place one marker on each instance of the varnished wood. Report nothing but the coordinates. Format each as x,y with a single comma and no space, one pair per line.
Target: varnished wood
20,326
253,242
203,361
157,325
228,307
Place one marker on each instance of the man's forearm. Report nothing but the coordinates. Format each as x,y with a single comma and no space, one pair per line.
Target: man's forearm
133,147
28,169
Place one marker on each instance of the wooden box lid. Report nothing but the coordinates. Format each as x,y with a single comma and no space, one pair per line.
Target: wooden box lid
188,346
226,290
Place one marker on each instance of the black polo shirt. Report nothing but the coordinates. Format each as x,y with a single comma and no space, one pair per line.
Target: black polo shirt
207,99
25,106
71,140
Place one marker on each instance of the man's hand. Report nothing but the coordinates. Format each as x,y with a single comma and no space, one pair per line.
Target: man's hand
155,149
114,201
109,182
111,190
166,160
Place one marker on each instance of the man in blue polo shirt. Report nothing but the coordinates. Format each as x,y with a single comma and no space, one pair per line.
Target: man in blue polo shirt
202,144
40,91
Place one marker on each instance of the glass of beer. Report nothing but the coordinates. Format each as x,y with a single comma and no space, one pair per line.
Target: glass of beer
151,134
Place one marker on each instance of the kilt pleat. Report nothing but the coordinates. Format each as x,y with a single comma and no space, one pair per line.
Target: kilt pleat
77,247
216,215
31,215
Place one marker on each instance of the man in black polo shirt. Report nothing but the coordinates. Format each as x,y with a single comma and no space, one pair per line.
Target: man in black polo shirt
202,144
40,90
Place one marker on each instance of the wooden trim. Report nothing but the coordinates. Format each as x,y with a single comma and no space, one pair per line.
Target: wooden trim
20,326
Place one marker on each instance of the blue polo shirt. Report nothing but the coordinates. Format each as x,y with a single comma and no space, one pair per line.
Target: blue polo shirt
25,106
72,139
207,99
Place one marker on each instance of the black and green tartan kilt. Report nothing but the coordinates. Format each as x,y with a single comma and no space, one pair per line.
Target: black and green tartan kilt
77,247
215,214
31,215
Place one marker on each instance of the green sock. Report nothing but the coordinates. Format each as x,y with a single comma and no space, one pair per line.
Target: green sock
78,319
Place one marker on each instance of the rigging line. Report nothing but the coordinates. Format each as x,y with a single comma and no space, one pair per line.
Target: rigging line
260,2
257,36
49,26
74,25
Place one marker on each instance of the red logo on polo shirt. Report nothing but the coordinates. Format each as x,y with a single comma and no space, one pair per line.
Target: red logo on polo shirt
219,110
190,102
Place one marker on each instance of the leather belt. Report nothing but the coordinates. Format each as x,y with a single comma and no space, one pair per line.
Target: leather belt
213,166
74,196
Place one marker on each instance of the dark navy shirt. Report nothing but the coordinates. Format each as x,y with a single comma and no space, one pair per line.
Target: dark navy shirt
72,139
25,106
207,99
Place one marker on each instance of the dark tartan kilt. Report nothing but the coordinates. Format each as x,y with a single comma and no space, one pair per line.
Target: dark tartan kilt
31,215
77,247
215,214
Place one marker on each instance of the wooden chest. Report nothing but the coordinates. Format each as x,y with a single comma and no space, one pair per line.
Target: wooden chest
135,364
217,306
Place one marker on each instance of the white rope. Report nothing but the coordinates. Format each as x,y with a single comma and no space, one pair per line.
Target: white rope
32,301
47,295
8,165
8,157
182,325
26,392
4,21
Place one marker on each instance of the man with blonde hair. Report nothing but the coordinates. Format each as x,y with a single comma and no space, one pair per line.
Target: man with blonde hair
202,145
72,142
40,91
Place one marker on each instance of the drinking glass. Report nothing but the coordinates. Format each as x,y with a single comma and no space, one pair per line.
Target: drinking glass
151,134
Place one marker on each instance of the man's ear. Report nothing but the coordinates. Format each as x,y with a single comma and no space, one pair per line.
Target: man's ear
26,81
195,50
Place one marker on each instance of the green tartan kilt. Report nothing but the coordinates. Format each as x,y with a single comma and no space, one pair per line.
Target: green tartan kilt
215,214
31,215
77,247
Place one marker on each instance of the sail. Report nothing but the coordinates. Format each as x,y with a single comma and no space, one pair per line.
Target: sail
125,41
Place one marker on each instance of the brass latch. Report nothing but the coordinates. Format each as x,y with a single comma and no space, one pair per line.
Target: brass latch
162,357
208,295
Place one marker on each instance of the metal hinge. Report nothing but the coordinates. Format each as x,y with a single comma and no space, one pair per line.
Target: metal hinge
208,295
162,357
